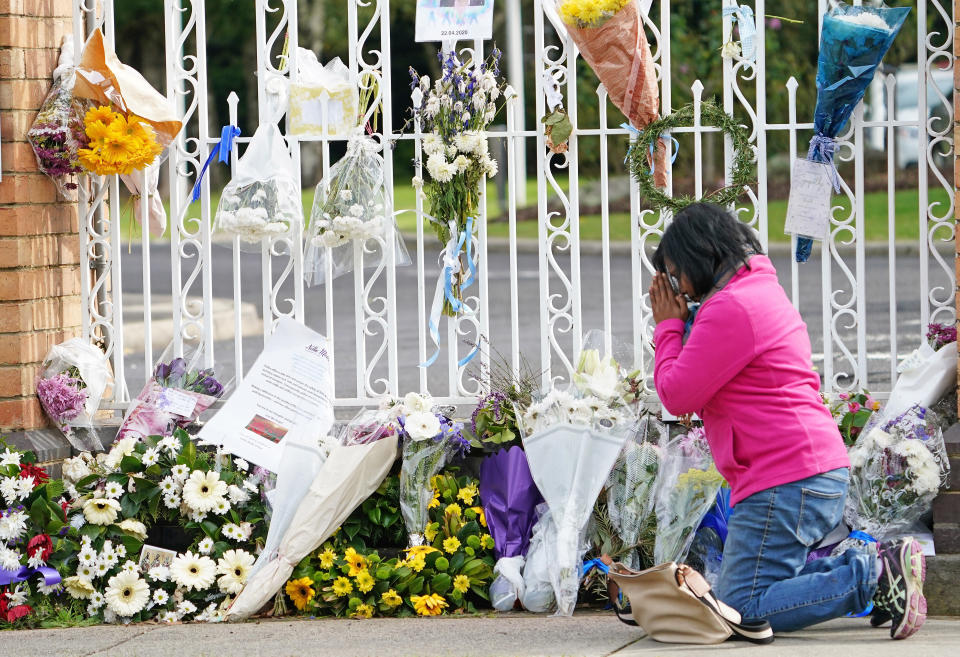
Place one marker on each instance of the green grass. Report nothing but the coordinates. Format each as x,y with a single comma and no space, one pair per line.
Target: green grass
906,208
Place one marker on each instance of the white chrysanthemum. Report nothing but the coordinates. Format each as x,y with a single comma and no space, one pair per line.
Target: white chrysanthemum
159,574
205,546
222,507
86,572
209,615
489,166
13,525
193,571
151,456
462,162
120,550
97,600
242,465
169,486
9,559
127,594
171,501
181,471
171,445
37,560
113,490
186,608
123,448
9,458
234,568
232,531
432,144
25,486
168,617
130,567
100,569
134,528
79,587
100,511
196,517
74,469
53,589
237,495
160,597
10,490
203,490
422,426
251,484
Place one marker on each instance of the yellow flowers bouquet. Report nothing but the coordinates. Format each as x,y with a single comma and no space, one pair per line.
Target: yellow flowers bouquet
589,13
118,144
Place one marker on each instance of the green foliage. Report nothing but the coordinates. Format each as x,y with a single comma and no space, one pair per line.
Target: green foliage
852,413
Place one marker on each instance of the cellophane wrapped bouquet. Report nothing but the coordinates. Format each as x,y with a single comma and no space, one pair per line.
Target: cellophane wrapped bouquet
175,395
897,467
686,490
430,440
57,134
351,217
72,381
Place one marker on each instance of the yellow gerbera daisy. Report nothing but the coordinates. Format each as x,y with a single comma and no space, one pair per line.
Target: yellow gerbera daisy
451,544
429,605
327,559
300,592
417,550
102,114
342,587
391,598
453,510
362,611
467,494
461,583
355,561
365,581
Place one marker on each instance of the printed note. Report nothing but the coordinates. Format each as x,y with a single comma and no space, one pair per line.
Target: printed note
808,209
454,20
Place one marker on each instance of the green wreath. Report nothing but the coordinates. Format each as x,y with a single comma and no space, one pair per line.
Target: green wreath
744,167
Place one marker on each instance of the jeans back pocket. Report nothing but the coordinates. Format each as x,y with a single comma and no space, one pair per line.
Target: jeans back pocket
820,512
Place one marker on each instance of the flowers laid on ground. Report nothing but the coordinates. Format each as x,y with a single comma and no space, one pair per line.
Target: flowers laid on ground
174,397
140,483
430,441
32,525
448,574
118,143
454,113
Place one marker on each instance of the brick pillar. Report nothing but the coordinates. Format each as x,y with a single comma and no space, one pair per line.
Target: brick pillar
39,244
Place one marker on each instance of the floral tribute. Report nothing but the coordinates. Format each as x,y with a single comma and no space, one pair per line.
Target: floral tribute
117,143
139,483
57,134
455,112
448,574
852,412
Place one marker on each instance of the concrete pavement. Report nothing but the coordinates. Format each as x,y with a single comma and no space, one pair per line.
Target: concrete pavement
587,634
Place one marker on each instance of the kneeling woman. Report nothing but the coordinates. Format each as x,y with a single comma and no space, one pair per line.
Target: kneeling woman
743,364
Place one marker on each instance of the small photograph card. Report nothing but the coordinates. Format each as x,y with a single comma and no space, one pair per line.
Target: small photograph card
808,208
152,557
454,20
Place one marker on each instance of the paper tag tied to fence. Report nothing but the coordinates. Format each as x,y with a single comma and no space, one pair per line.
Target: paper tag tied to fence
177,402
808,209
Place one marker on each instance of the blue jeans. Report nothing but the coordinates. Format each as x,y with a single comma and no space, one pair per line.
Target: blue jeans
764,573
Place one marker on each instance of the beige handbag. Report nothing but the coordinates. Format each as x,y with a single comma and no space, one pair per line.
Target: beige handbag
673,603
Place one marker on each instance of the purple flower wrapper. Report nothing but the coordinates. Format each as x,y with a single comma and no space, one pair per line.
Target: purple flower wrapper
510,499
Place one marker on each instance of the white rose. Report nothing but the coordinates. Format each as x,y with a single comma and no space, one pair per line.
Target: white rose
416,403
422,426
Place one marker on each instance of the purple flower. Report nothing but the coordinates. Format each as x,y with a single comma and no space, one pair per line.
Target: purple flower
61,397
774,23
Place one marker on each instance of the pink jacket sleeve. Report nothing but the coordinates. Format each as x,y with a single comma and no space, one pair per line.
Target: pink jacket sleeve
721,344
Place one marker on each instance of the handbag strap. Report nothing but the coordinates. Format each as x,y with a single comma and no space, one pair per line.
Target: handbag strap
756,631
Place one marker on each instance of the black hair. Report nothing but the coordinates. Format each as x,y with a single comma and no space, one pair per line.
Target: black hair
702,242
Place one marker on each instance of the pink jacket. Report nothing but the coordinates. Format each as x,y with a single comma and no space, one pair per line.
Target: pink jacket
746,370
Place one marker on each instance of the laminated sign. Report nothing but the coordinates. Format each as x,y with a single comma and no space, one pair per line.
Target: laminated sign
453,20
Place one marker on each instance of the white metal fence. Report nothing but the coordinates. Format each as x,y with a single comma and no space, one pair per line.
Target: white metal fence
528,306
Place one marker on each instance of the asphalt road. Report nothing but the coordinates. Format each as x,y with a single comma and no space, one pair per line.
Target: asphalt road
876,274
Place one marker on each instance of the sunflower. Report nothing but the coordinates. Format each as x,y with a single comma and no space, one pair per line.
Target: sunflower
451,544
362,611
467,494
365,581
355,561
127,594
429,605
100,511
342,587
300,592
391,598
461,583
327,558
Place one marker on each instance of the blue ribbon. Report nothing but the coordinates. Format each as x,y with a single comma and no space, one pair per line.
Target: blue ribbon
590,564
223,148
636,133
866,538
743,16
50,575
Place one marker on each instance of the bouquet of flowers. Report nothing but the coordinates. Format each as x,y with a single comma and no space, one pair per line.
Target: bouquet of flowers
119,495
70,386
630,486
449,574
852,412
430,440
609,34
57,134
367,427
853,41
896,469
351,205
455,112
32,523
687,489
177,393
940,335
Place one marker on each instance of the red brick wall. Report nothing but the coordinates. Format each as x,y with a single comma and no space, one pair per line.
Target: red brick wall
39,247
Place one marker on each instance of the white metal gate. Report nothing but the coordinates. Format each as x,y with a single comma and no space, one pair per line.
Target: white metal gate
387,334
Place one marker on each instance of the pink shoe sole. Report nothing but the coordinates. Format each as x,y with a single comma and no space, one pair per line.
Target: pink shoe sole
915,615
